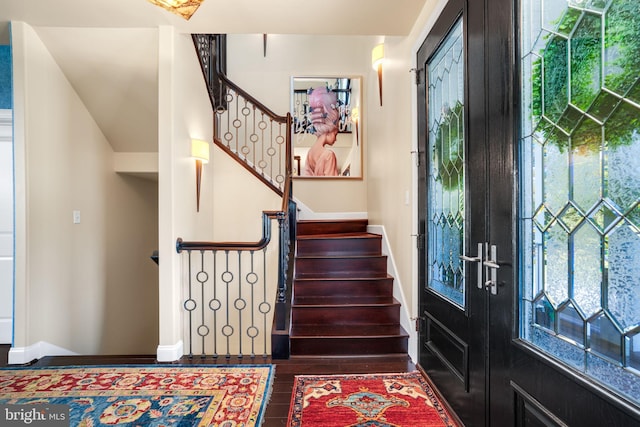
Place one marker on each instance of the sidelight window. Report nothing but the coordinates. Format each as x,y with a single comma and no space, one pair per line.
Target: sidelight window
580,186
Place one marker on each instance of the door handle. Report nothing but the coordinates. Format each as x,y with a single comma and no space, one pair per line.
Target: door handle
478,259
491,267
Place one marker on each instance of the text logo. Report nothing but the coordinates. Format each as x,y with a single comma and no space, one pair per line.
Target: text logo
37,415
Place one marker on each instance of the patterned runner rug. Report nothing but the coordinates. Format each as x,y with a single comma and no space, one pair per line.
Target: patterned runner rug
373,400
145,395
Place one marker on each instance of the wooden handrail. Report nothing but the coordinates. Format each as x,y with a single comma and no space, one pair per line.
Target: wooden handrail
233,246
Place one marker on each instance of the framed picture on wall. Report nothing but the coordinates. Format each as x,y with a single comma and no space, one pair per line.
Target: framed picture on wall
327,115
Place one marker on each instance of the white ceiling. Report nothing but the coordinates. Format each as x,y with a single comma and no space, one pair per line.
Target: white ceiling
84,37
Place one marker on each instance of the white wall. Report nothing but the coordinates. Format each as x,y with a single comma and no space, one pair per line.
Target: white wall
86,288
6,227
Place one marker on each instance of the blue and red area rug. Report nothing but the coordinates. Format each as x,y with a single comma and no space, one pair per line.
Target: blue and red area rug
372,400
146,395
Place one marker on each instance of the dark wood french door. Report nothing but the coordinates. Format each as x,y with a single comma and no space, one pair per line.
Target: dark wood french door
519,322
465,173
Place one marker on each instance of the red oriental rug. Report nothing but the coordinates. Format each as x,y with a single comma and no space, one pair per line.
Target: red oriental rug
145,395
372,400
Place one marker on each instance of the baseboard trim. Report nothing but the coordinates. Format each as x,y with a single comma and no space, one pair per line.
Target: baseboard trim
6,331
24,355
398,293
170,353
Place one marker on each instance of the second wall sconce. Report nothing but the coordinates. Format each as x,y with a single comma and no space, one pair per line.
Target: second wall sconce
200,152
377,58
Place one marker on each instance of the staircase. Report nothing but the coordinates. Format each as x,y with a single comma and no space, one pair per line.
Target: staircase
343,302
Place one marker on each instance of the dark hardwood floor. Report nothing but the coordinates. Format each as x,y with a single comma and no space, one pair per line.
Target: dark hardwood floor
278,407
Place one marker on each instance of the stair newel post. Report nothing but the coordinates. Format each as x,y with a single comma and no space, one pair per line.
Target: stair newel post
281,301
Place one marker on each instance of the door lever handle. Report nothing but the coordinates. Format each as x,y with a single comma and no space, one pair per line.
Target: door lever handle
478,259
491,264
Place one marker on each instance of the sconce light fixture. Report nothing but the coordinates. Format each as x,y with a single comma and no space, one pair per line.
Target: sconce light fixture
355,115
264,45
377,58
184,8
200,152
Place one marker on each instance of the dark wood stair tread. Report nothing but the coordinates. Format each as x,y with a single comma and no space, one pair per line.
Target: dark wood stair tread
302,280
347,331
341,266
349,235
341,286
339,301
345,257
306,227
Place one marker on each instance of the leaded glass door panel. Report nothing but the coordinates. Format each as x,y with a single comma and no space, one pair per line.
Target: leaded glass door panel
579,162
446,176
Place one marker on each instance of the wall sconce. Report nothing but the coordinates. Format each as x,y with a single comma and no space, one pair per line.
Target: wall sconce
184,8
264,45
200,152
355,115
377,58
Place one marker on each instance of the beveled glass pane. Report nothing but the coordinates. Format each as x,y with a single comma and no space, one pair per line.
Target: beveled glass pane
537,261
621,127
445,74
634,216
633,353
570,217
587,269
571,324
570,119
623,259
603,105
622,62
544,314
543,218
604,338
587,168
634,93
555,76
557,264
555,173
532,26
536,156
567,23
553,11
623,174
586,54
603,216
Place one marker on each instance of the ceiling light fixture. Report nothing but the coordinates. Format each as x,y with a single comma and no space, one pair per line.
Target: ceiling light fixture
184,8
